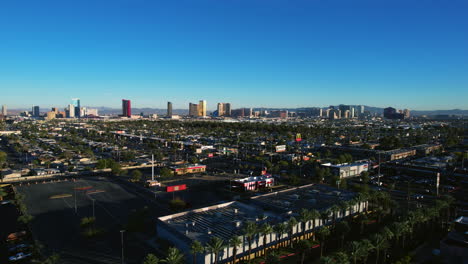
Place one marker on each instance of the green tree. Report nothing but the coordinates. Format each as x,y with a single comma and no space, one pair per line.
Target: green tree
174,256
356,250
195,248
342,228
150,259
250,230
304,246
53,259
304,217
322,234
265,230
292,222
3,193
166,172
3,157
214,246
235,242
280,229
136,175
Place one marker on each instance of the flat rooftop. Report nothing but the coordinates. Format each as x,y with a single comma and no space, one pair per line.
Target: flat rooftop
227,219
312,196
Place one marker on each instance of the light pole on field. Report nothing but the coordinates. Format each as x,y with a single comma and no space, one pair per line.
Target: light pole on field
121,240
93,208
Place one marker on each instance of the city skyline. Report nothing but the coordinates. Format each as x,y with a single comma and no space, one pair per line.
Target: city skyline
251,54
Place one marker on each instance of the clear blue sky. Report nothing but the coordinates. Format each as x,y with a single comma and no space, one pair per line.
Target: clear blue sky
407,54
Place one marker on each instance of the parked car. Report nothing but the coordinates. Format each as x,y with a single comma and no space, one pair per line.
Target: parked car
5,202
18,247
19,256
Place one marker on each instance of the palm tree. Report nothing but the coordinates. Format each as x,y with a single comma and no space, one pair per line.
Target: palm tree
342,228
235,242
356,249
322,233
327,260
174,256
380,242
368,248
195,248
291,224
280,229
2,194
215,245
272,257
304,217
340,257
265,230
334,211
304,245
151,259
250,230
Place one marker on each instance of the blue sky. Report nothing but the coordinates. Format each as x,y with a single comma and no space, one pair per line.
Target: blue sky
407,54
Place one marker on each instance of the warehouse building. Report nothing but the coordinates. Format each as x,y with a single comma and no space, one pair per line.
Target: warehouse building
228,220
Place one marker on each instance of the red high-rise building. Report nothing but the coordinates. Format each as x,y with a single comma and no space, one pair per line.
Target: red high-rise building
126,108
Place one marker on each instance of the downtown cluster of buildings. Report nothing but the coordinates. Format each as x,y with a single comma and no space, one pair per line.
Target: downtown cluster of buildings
75,110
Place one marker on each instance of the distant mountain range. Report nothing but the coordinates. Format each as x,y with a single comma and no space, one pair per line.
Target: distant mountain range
115,111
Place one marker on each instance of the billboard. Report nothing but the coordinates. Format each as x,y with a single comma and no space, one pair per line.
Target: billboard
176,188
280,148
298,137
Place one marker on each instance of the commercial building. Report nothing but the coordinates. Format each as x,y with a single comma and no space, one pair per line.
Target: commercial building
391,113
70,111
51,115
454,247
4,110
253,183
224,109
169,109
76,103
193,109
202,108
228,220
348,170
126,108
188,169
36,111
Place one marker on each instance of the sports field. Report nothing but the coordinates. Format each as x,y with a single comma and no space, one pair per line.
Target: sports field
56,223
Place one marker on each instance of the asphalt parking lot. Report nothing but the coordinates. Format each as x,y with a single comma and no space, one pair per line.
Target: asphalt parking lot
56,224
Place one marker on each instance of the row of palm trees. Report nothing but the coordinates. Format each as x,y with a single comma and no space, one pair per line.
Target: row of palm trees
391,237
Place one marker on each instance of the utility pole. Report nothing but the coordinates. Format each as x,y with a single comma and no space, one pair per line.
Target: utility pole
93,208
378,175
152,167
122,243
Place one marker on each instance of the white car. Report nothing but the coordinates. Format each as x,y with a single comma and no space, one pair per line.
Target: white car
19,256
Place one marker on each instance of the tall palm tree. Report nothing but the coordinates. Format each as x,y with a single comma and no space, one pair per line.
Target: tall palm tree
214,246
322,233
272,257
368,248
334,212
304,217
356,250
380,242
151,259
235,242
291,224
342,228
265,230
174,256
340,257
250,230
2,194
327,260
280,229
304,246
195,248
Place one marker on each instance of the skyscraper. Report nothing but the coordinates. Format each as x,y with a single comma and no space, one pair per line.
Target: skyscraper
193,109
169,109
202,108
76,104
126,108
35,111
4,110
224,109
71,111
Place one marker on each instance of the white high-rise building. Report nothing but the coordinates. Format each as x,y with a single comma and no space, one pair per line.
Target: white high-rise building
4,110
71,111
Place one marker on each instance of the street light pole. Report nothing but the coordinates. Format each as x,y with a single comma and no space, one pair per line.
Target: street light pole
93,208
76,211
121,240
